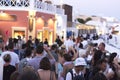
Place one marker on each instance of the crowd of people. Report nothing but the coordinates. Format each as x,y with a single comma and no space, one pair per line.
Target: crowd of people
70,59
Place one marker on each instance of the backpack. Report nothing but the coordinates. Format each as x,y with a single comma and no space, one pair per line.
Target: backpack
77,77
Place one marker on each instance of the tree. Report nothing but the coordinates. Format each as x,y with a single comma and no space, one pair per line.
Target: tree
81,20
84,21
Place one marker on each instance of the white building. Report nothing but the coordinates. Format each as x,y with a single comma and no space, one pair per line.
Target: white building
61,25
37,18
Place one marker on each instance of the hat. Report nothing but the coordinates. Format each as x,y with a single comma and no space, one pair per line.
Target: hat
80,62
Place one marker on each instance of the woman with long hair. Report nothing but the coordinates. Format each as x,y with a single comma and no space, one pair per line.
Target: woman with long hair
45,72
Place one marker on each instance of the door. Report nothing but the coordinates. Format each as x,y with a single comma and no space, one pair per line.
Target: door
18,33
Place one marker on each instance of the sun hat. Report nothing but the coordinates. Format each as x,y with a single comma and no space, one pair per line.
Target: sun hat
80,62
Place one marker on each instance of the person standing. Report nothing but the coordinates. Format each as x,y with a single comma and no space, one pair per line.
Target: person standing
24,39
46,42
14,56
20,42
68,43
8,68
45,72
23,63
77,73
101,47
34,62
58,41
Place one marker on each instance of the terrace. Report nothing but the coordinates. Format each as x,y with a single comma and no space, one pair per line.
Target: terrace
27,5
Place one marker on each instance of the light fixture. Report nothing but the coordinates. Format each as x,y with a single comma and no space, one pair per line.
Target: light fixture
7,17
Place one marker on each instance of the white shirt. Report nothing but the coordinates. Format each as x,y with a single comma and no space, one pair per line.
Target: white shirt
14,57
20,42
89,57
69,76
84,43
68,43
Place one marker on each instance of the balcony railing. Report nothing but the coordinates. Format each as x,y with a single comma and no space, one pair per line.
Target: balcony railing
29,5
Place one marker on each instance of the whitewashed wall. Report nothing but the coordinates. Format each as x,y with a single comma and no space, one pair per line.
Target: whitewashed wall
61,25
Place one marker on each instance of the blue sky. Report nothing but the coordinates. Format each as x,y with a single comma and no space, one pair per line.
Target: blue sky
108,8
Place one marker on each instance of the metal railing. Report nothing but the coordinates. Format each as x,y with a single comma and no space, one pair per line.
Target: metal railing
29,5
14,3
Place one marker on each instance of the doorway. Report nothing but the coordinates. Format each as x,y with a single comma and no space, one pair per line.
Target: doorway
18,31
48,34
40,35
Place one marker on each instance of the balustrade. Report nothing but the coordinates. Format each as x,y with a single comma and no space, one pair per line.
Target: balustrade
31,5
